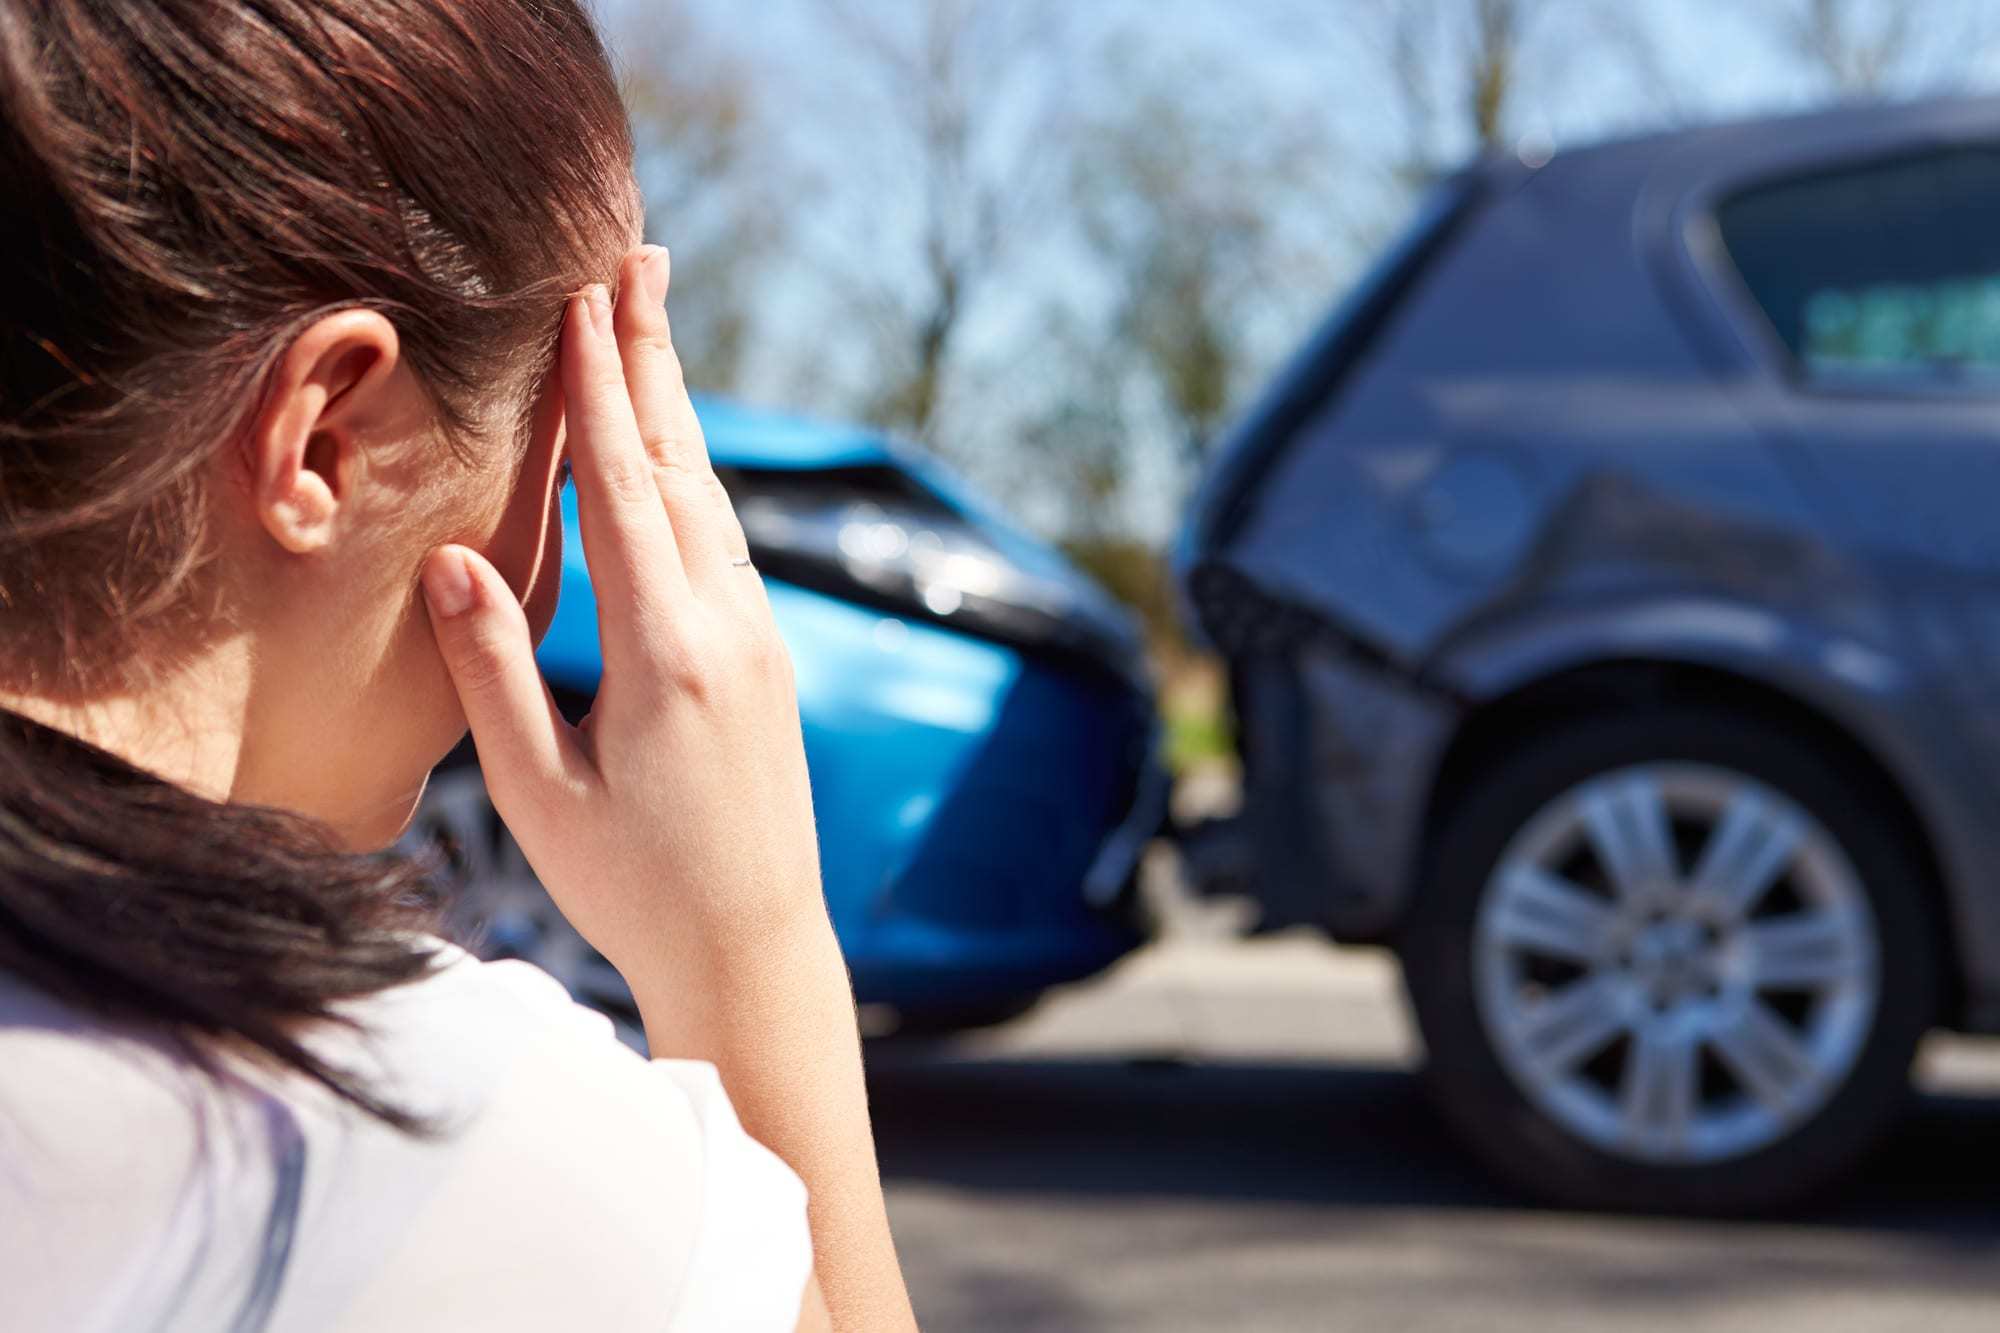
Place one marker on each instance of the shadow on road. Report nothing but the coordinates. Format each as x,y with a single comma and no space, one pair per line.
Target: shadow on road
1342,1135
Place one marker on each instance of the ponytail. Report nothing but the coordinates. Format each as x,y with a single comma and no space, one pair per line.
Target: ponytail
143,904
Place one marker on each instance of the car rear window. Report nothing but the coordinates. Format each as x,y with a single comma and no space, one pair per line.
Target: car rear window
1892,267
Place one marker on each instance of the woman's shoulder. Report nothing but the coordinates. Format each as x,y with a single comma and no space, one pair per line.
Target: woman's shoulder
112,1143
73,1092
565,1177
647,1195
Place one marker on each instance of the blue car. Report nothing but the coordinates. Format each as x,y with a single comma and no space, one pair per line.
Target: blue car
978,721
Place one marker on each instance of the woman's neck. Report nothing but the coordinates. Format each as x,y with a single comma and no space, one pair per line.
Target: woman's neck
186,727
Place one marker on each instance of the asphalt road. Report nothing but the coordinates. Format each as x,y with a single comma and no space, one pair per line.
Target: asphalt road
1229,1135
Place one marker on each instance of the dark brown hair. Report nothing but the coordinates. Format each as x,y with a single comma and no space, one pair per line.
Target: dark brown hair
189,184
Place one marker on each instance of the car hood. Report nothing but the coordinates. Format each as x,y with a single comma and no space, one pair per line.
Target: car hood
751,439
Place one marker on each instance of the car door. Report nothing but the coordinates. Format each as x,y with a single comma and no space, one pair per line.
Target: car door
1878,286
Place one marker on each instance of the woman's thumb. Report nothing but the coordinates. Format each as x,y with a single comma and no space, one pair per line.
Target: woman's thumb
482,633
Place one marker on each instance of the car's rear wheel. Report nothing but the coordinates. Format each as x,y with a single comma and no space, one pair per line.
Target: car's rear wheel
1676,959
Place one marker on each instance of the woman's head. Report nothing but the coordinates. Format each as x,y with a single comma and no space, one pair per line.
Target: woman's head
280,283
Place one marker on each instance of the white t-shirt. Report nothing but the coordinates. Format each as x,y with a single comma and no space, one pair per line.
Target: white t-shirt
576,1185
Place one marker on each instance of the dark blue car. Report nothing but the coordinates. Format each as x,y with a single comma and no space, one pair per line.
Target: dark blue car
1611,592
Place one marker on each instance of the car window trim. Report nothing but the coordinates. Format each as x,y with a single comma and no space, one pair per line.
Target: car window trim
1698,230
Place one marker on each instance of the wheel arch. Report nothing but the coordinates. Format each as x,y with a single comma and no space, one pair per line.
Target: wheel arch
1609,685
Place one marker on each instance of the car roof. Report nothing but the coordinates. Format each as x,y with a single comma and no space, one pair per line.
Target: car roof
1636,213
1617,239
1698,155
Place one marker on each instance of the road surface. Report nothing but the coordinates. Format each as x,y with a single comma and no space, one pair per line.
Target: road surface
1228,1135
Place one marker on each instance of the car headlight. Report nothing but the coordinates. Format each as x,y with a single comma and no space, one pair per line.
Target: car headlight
875,535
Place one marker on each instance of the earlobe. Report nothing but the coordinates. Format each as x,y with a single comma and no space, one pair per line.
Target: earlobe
301,508
304,447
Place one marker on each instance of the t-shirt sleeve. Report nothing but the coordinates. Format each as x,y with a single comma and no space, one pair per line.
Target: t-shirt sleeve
752,1250
747,1248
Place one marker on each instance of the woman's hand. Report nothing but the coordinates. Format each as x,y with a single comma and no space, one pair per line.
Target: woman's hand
679,811
673,826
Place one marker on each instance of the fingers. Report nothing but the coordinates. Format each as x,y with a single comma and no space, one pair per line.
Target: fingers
704,522
628,540
482,632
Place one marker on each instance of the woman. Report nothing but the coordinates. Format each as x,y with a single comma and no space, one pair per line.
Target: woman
309,305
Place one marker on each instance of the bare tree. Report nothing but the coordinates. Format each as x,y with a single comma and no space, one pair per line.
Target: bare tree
1204,212
1459,77
956,103
1855,56
1491,58
1873,48
1078,445
711,181
1455,71
1450,70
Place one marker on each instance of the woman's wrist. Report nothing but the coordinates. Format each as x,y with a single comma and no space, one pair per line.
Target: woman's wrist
704,990
773,1010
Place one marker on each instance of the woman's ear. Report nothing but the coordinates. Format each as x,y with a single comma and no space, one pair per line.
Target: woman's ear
304,447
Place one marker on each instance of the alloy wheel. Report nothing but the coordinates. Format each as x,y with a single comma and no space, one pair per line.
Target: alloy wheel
1676,963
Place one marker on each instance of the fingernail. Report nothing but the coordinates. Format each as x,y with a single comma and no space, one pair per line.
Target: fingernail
447,584
598,300
658,268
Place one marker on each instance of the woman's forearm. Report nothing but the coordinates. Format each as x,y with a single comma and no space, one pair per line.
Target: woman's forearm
778,1022
674,825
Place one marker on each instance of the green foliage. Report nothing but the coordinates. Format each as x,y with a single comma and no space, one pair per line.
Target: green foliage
1198,732
1194,707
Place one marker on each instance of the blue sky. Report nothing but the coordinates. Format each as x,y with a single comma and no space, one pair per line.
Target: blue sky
853,210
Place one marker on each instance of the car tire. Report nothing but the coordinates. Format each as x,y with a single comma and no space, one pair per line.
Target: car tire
1641,1123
